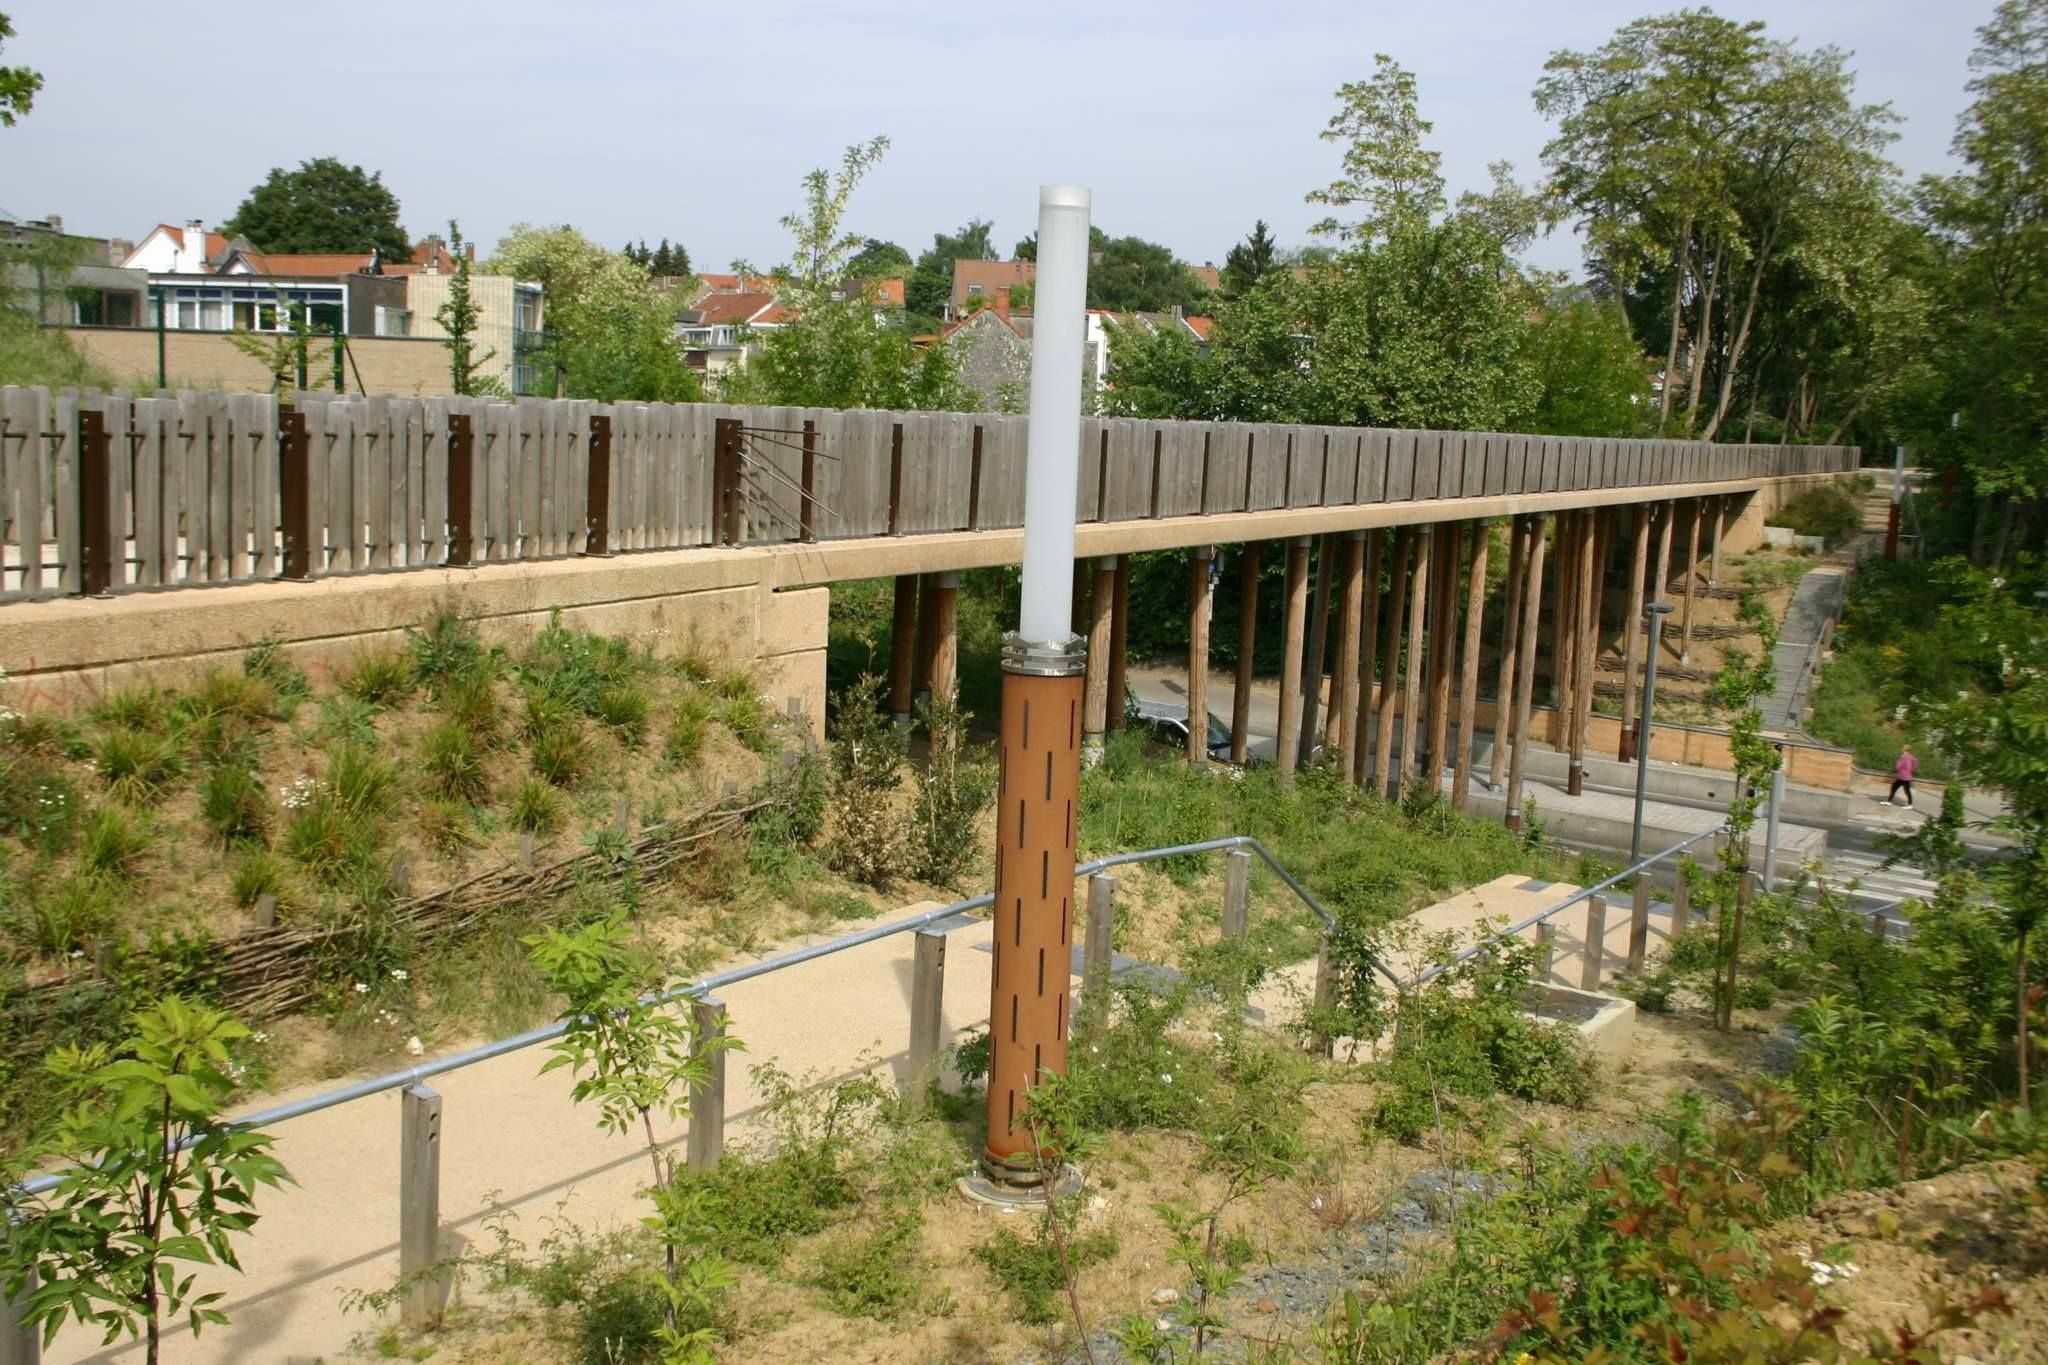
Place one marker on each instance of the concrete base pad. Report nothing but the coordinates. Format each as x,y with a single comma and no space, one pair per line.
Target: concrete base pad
981,1189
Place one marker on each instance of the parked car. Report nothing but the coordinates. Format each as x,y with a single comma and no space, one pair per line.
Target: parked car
1167,722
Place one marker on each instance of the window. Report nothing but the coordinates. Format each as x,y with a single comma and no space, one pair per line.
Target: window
526,310
119,310
324,317
245,316
210,315
188,314
394,322
974,289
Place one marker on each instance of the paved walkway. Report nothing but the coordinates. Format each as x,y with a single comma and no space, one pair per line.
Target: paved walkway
1815,602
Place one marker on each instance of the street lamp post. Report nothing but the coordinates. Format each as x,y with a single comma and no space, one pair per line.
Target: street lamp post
1038,791
1656,611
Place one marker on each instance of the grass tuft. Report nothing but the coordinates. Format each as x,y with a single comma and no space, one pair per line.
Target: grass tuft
113,842
378,675
454,763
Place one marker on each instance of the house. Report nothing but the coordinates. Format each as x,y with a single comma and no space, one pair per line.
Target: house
1104,326
714,329
991,352
69,280
976,282
204,281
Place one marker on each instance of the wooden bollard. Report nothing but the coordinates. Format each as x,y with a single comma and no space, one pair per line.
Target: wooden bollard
1237,894
419,1207
266,912
927,1013
1596,944
1099,935
1546,949
1639,926
1681,905
707,1097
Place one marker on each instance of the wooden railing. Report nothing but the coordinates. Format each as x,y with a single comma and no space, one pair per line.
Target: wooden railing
108,492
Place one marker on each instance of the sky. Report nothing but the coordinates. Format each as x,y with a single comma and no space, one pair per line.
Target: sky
696,122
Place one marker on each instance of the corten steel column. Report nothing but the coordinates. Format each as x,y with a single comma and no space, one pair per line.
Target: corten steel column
1368,649
1418,621
1095,721
1468,678
1632,629
1720,528
945,681
1383,771
1443,653
1344,705
1119,632
1040,754
927,632
1692,575
902,646
1510,642
1247,636
1289,740
1201,601
1588,635
1318,645
1525,682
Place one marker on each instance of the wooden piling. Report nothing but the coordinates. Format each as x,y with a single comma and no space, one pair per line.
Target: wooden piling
1468,678
1296,620
1247,635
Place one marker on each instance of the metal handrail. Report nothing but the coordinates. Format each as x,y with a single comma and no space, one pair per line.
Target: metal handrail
1575,898
704,986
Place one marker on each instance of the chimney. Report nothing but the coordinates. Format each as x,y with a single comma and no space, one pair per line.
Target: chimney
1003,304
56,223
469,250
193,259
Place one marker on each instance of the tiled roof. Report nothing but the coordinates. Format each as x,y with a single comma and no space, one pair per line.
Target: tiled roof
1201,327
716,310
308,263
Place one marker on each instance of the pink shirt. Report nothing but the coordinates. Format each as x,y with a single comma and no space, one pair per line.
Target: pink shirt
1905,767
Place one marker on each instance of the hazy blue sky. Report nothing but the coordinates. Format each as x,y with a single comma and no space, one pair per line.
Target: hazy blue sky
695,121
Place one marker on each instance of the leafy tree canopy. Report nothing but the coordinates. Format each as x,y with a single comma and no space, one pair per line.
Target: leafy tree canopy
18,84
879,260
930,285
1132,275
322,206
1249,261
661,262
613,332
1593,378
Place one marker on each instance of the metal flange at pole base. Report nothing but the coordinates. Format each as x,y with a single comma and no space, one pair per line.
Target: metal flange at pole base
1037,824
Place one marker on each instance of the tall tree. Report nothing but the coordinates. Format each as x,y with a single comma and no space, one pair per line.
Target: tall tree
1248,261
1592,378
930,285
612,331
835,350
18,84
1132,275
322,206
879,260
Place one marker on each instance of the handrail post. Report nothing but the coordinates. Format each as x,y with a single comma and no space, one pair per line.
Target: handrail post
807,509
727,434
1596,944
707,1097
927,1012
1237,894
597,538
1100,934
1546,950
419,1206
98,545
20,1344
1681,905
1639,925
461,490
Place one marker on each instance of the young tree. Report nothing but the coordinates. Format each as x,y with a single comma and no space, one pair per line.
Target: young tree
152,1177
459,317
1592,377
1386,167
322,206
613,331
18,84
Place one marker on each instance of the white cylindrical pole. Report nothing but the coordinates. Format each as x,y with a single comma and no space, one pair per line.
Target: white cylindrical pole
1053,459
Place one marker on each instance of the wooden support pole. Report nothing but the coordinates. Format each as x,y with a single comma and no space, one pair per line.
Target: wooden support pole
1681,905
944,679
1639,926
1082,578
1632,629
1595,959
1237,893
1443,652
1384,774
927,1013
1660,562
1344,704
1318,646
1411,691
1592,585
1098,938
1468,678
1546,950
1525,682
1561,619
927,636
1720,529
1295,623
1095,693
1247,636
419,1207
1368,650
1692,577
902,649
707,1098
1119,634
1201,602
1510,644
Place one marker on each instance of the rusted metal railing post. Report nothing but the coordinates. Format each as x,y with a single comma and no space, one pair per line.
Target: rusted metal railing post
98,543
461,490
295,493
728,433
896,479
807,512
597,539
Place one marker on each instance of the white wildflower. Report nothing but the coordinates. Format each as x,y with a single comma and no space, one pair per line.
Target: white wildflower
414,1047
362,988
1166,1078
400,974
259,1037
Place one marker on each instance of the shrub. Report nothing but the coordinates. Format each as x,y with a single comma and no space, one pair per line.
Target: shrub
113,842
137,764
560,754
444,824
1829,511
345,720
867,761
453,763
445,648
1027,1265
872,1273
542,711
233,803
955,788
331,839
378,675
536,808
258,873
